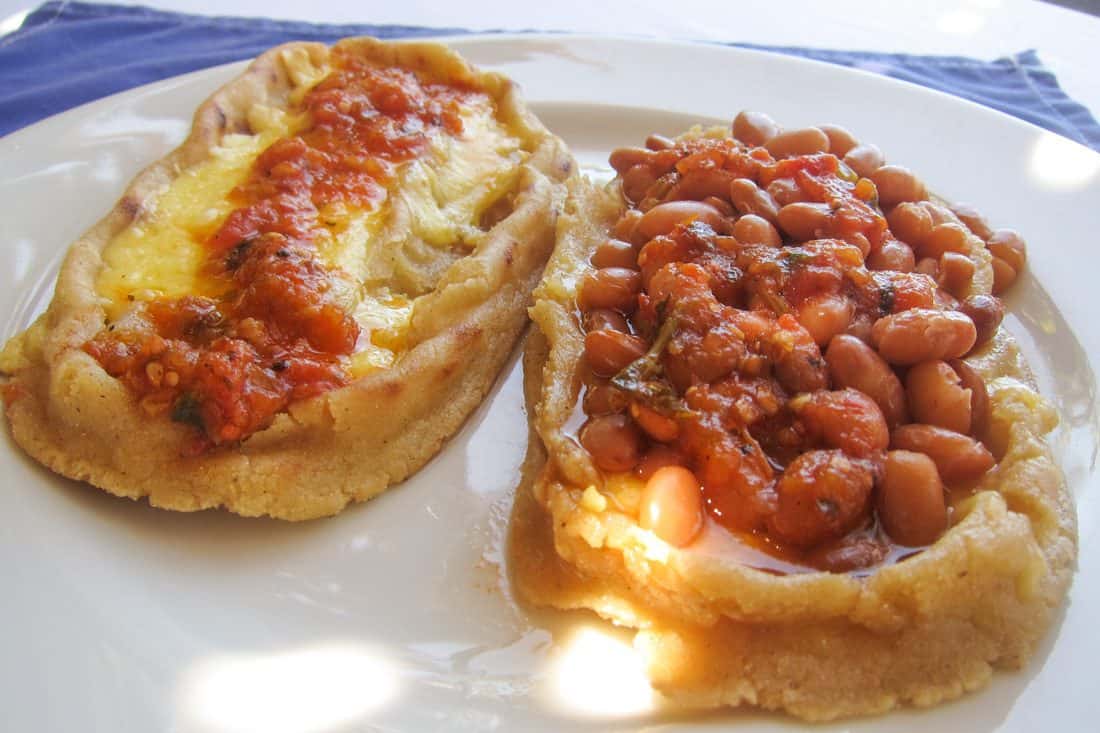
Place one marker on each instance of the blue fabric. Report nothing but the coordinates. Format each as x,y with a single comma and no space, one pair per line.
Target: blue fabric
69,53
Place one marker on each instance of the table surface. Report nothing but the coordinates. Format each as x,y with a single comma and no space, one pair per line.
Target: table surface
1068,41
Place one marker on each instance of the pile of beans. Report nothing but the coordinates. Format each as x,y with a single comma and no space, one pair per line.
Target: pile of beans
775,330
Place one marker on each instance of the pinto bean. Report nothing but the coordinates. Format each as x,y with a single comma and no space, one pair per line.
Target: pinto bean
751,229
784,191
840,140
956,273
1008,245
672,505
725,208
864,159
626,225
604,399
637,181
824,316
923,334
892,255
801,141
928,266
615,253
608,351
896,184
1004,275
911,503
659,142
979,396
854,364
611,287
987,312
623,159
804,221
910,222
973,220
748,198
663,218
698,184
947,237
845,419
613,441
937,397
658,456
754,128
957,457
822,494
600,319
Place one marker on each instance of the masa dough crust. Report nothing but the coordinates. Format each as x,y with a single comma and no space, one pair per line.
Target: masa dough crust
714,632
349,444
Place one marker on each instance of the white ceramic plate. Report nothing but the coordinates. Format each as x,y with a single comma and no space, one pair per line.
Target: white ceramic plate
396,614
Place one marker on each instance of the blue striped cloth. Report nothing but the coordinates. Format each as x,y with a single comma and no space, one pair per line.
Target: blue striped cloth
68,53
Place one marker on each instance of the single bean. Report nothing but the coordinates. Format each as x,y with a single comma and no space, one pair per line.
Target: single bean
1010,247
803,221
611,287
626,225
698,184
1004,275
754,128
892,255
957,457
854,364
973,220
752,229
923,334
845,419
605,319
944,301
937,397
637,181
979,396
659,142
928,266
864,159
949,237
987,312
657,426
615,253
608,351
724,207
896,184
825,316
840,140
604,399
748,198
940,214
658,456
672,505
911,503
663,218
623,159
956,273
821,495
860,327
802,141
784,191
613,441
910,222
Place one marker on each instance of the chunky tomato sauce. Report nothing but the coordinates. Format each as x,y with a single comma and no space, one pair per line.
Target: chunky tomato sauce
227,366
707,348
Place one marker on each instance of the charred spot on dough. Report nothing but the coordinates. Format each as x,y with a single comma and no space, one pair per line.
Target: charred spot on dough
222,120
510,253
131,206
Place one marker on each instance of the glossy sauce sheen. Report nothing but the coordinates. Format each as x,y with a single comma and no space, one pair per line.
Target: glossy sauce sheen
273,332
735,384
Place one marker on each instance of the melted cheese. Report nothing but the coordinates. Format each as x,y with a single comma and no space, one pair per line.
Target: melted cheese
445,192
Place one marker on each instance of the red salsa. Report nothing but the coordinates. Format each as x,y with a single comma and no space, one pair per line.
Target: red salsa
228,366
757,321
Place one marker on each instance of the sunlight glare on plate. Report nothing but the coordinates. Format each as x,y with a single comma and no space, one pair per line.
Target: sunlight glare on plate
961,22
599,674
1061,164
306,690
13,22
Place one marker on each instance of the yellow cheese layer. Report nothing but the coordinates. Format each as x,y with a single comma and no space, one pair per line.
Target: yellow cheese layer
445,192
